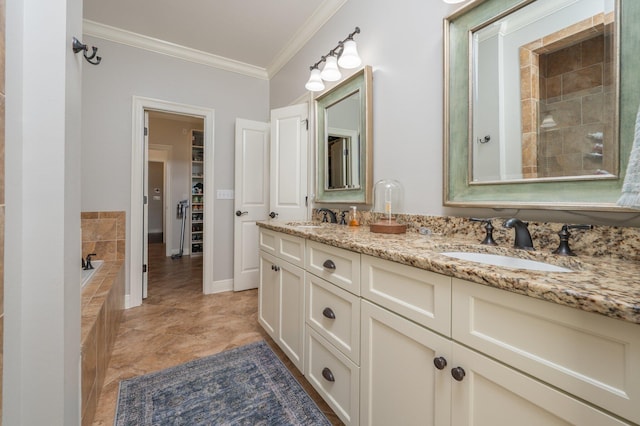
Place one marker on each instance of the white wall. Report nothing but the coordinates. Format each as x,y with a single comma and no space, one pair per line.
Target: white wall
403,42
42,301
107,93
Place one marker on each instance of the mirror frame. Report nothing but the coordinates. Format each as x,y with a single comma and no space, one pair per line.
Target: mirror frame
360,81
579,194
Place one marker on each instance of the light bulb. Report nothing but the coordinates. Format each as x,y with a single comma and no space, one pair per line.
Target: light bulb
330,72
349,58
453,1
315,83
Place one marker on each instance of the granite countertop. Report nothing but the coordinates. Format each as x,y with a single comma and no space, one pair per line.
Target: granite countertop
606,286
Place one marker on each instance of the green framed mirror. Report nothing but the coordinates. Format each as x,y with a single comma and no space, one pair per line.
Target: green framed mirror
603,148
345,141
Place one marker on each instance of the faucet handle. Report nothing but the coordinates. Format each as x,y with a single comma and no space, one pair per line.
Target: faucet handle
342,217
488,238
564,234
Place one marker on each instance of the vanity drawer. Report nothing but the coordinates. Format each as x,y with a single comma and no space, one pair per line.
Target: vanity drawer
338,266
591,356
284,246
334,376
335,314
419,295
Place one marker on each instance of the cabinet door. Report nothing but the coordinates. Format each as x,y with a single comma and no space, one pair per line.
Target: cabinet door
399,383
268,298
491,393
291,312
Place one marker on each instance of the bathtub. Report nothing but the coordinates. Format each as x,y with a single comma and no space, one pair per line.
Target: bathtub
88,273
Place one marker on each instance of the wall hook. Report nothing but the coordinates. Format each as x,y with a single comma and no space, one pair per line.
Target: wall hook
79,47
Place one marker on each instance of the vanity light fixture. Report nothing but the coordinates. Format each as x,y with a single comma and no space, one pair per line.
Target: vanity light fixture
331,72
315,83
344,55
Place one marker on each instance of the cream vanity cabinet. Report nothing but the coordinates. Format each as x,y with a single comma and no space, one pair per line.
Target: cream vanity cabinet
388,343
281,292
425,341
332,363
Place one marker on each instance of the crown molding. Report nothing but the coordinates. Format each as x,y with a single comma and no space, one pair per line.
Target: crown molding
327,9
106,32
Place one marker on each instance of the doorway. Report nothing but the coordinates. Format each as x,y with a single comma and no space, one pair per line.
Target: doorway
156,203
172,224
138,268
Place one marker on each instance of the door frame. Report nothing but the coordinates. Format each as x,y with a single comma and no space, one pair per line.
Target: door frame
138,155
164,156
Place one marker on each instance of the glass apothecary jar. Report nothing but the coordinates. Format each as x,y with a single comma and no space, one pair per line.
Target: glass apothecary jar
388,199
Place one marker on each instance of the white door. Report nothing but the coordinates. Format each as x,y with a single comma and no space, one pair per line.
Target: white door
289,140
145,209
251,199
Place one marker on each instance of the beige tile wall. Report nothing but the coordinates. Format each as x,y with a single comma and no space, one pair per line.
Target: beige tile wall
103,233
567,75
2,202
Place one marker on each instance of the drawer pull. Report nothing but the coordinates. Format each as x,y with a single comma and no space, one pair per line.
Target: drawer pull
328,375
440,363
458,373
329,264
328,312
275,268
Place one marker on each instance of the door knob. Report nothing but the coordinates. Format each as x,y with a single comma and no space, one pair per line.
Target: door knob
458,373
440,362
239,213
273,215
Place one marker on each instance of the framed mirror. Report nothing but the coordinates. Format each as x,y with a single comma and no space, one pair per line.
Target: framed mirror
540,102
345,141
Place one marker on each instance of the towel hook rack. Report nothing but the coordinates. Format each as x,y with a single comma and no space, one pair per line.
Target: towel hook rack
79,47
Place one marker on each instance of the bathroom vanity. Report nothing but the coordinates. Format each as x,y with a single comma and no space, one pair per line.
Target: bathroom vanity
390,331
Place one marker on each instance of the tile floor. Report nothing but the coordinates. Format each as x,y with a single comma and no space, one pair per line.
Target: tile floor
177,323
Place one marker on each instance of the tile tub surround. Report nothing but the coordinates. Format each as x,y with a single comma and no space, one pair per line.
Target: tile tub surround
607,285
102,307
103,233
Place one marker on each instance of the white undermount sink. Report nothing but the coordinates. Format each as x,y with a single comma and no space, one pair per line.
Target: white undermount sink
506,261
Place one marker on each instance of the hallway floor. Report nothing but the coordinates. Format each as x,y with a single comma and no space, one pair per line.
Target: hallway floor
177,323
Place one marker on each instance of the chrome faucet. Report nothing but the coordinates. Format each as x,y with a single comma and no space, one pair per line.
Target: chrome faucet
523,237
324,212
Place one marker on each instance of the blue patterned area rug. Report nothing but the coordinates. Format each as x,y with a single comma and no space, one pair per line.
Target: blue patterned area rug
248,385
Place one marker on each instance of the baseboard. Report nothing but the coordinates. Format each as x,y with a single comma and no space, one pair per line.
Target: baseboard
218,286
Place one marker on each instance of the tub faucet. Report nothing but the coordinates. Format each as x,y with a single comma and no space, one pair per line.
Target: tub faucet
523,237
86,265
331,214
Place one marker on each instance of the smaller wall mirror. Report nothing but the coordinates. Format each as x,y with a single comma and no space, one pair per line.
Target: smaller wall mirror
344,141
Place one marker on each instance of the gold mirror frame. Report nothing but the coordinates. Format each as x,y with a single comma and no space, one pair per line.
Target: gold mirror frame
361,82
580,194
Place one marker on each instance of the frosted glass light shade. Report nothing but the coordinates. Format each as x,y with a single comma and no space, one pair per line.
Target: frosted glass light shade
453,1
315,83
330,72
349,57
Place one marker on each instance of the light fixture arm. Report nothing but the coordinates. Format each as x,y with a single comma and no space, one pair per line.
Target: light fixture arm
336,51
